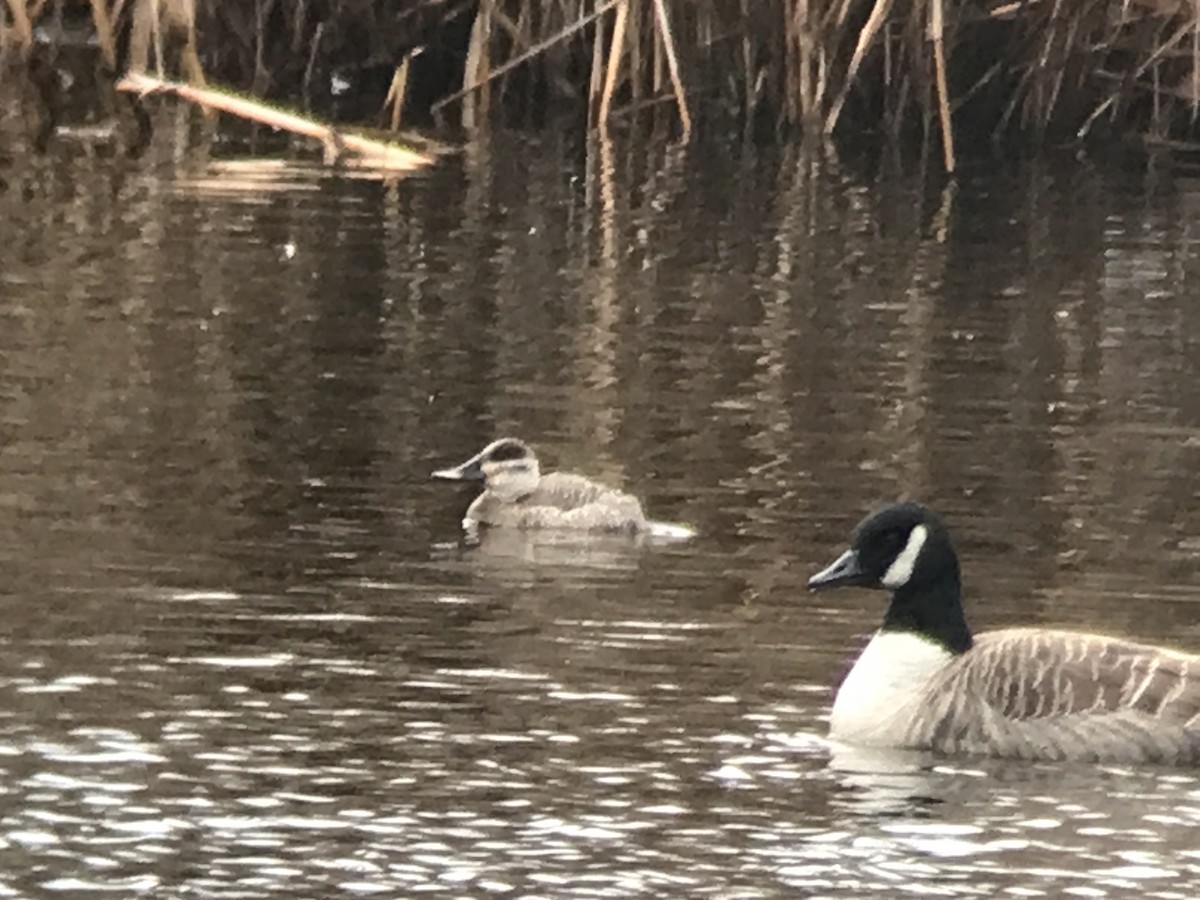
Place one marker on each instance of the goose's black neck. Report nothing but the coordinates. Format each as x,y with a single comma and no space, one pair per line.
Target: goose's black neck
932,608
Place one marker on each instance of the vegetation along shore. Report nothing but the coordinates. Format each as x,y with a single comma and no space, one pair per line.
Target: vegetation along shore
946,78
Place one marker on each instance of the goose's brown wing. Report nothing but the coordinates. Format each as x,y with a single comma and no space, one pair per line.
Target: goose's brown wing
1032,674
1047,694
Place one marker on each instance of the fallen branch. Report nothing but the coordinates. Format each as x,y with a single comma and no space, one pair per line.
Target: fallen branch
338,144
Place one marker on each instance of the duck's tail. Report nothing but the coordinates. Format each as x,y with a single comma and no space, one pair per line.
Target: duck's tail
670,531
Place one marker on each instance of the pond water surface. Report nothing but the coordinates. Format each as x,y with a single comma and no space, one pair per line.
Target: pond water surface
244,653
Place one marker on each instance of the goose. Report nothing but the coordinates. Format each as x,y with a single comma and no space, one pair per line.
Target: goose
517,495
924,682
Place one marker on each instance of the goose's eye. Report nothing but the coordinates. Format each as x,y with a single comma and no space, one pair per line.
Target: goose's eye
893,542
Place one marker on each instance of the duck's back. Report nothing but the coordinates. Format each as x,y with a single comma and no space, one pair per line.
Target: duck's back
567,491
1036,694
564,500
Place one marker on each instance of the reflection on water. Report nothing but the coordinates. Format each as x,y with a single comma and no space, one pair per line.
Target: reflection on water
247,654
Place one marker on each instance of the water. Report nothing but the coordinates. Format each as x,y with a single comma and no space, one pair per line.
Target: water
245,655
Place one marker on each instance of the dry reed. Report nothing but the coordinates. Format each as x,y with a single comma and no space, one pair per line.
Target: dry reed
948,74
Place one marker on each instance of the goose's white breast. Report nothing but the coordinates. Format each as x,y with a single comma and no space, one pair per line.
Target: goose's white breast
874,703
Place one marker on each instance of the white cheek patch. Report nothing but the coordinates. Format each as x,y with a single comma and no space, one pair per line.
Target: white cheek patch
901,569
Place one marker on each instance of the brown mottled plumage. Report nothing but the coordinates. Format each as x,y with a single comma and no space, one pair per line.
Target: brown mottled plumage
1037,694
517,495
924,682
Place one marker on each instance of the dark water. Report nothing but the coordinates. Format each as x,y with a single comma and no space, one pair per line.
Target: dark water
244,655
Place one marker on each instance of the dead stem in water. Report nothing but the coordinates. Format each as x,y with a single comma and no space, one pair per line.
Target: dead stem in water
339,145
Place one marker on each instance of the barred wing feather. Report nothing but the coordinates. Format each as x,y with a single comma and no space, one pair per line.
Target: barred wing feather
1030,693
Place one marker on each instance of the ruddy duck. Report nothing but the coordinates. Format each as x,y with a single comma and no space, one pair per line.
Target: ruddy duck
517,495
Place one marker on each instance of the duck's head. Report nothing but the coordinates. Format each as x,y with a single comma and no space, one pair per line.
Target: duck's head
904,545
508,468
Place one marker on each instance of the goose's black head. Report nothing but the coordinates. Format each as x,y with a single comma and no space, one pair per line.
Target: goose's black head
906,549
903,545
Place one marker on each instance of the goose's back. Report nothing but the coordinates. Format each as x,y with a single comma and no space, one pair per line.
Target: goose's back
1031,693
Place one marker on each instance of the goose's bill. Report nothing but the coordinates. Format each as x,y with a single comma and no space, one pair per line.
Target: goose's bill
471,470
845,570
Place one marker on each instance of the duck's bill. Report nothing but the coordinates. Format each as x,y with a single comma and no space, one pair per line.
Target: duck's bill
845,570
471,470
